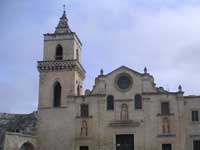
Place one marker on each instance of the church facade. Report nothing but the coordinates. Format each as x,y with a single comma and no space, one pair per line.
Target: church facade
124,110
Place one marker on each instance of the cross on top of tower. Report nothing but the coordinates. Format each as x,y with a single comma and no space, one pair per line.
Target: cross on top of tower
64,8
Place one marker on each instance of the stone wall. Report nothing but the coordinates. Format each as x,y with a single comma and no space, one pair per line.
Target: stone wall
14,141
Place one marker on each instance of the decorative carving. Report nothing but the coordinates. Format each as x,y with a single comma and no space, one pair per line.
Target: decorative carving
57,65
166,125
124,112
84,128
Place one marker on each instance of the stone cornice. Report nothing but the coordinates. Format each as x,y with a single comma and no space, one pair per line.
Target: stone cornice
162,93
192,96
59,65
126,123
20,134
85,96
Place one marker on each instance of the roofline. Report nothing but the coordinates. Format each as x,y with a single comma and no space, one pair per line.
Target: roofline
138,73
192,96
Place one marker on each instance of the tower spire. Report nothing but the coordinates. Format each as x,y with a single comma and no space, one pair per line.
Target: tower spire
63,26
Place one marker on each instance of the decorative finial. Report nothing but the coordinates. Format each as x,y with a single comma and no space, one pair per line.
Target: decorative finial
180,88
145,70
101,72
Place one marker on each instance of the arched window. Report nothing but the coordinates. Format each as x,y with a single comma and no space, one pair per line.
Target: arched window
138,101
110,102
57,95
59,52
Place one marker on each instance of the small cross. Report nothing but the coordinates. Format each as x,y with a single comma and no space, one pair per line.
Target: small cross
64,7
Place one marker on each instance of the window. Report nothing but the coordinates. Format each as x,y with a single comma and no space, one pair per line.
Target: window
57,95
166,147
59,52
196,145
195,115
84,148
84,110
165,108
110,102
124,81
138,101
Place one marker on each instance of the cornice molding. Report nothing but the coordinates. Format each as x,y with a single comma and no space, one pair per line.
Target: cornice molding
61,65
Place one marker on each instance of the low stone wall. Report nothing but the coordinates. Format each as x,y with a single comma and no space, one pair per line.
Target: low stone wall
14,141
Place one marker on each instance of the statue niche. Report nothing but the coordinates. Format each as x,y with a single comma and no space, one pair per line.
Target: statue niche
84,128
166,125
124,112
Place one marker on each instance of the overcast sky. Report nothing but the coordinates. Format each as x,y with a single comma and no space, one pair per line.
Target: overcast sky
163,35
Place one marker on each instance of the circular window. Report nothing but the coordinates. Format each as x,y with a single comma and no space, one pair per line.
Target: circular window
124,81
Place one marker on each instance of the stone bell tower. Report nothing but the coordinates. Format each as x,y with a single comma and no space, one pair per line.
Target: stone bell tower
61,72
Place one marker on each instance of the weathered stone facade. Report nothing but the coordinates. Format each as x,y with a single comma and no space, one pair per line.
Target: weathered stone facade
125,110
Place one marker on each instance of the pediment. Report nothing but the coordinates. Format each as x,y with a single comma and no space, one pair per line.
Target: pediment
124,81
123,69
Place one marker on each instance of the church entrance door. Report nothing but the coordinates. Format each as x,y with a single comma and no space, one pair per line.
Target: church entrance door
125,142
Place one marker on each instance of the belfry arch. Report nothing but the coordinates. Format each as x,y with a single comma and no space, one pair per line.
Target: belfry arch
59,52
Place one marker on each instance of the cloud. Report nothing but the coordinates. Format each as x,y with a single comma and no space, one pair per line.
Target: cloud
160,40
162,35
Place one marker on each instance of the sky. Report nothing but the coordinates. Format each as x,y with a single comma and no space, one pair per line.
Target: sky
163,35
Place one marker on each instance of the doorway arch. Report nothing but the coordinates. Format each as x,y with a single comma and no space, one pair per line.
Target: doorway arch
27,146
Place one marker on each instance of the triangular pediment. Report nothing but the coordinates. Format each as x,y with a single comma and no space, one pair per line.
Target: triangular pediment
125,68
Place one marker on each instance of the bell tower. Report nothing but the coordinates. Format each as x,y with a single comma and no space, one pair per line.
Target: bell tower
61,71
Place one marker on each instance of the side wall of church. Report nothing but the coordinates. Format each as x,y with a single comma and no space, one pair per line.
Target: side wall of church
154,122
192,103
56,128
